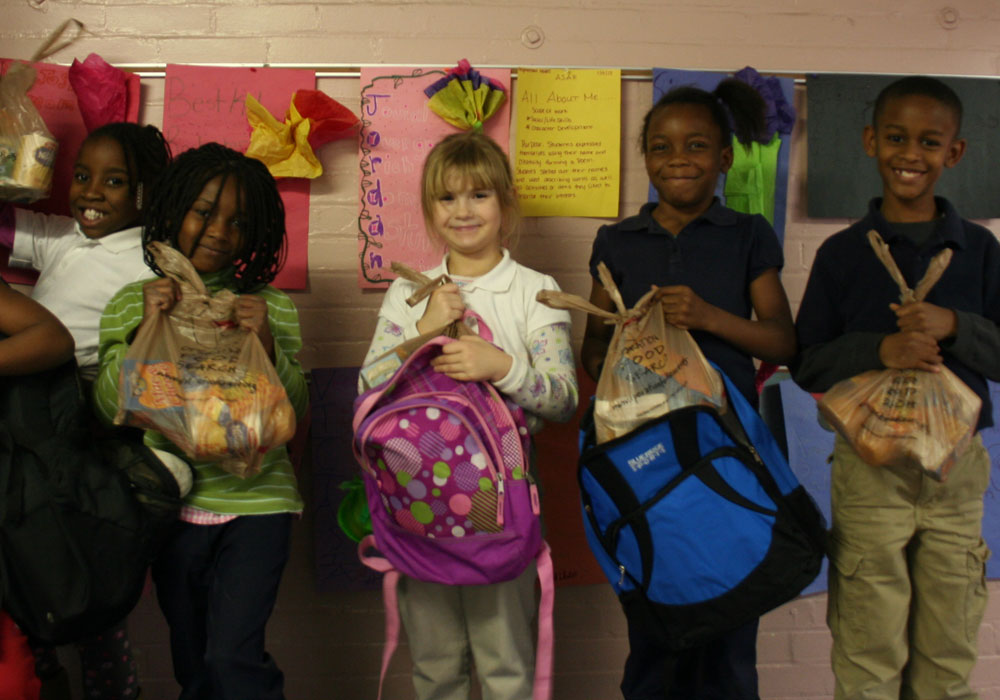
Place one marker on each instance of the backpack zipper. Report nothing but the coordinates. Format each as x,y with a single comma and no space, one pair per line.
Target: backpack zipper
500,498
536,503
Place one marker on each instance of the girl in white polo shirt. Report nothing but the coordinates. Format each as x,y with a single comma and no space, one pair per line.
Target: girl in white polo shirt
83,260
469,205
87,257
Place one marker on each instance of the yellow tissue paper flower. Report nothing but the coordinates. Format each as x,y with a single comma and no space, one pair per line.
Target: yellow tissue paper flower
282,146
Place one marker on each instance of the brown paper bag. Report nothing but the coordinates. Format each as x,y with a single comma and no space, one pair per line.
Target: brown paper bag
651,366
381,369
905,418
202,381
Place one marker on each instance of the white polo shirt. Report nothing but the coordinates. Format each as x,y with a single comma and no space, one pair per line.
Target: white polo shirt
505,299
78,275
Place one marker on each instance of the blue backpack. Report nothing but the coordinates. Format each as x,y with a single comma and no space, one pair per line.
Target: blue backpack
697,520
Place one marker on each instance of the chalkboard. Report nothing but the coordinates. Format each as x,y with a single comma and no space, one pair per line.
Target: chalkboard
842,178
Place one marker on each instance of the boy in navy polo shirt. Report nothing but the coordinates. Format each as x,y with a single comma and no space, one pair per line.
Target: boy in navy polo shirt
907,590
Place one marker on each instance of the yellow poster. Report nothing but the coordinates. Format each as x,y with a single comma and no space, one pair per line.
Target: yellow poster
568,138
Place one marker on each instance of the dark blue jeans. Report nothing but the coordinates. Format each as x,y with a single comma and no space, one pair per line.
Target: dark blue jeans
216,585
723,669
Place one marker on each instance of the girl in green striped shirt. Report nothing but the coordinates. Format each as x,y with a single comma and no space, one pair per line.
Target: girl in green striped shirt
218,575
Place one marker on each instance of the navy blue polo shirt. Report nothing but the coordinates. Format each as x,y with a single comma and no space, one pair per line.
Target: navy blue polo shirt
717,255
849,292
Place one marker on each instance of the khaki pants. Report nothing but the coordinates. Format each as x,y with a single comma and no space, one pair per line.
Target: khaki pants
445,624
907,578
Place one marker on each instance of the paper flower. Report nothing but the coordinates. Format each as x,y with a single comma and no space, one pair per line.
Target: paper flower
464,97
780,115
101,91
288,148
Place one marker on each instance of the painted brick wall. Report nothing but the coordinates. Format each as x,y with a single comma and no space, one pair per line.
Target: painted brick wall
329,645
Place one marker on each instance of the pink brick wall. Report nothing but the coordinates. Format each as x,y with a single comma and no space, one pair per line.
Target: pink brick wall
329,645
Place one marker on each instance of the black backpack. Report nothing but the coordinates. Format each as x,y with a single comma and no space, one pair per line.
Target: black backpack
81,516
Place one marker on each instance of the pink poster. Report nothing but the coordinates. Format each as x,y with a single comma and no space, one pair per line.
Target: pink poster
204,104
397,131
52,94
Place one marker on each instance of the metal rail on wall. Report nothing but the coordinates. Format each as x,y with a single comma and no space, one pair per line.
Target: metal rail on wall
353,70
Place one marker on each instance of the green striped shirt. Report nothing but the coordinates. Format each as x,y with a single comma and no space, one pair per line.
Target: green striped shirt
274,489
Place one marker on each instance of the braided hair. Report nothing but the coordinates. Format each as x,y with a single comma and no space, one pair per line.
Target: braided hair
146,152
735,107
262,245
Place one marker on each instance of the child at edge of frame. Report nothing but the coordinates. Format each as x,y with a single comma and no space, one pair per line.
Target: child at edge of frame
31,340
82,260
469,206
907,588
217,576
720,273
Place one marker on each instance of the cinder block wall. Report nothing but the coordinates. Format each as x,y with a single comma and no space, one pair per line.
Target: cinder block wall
329,645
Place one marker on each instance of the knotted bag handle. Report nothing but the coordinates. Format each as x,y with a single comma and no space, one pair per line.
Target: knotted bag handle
425,287
217,310
52,43
573,302
939,263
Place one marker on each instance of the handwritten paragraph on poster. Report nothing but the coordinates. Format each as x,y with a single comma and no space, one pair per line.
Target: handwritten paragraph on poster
568,138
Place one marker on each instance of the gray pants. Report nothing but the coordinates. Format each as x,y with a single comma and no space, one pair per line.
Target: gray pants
449,626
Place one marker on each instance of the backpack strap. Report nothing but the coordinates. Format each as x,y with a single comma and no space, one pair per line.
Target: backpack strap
546,636
389,601
482,330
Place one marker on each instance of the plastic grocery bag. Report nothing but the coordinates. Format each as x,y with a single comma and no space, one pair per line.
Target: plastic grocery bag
905,418
27,148
202,381
651,366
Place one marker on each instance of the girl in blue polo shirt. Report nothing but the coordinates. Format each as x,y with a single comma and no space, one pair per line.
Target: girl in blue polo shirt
719,271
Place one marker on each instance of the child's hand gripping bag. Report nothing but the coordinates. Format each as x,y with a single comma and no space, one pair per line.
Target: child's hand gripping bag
202,381
27,148
382,368
651,366
905,417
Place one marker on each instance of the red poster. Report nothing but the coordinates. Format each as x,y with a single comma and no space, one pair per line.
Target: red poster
205,103
56,102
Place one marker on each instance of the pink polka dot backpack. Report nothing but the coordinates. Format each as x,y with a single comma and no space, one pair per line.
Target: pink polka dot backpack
445,466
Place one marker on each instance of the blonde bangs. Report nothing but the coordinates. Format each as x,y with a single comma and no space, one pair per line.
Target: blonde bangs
476,160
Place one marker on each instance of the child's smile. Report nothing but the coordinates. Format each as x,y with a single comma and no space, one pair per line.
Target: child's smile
100,196
913,142
210,232
684,157
468,220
